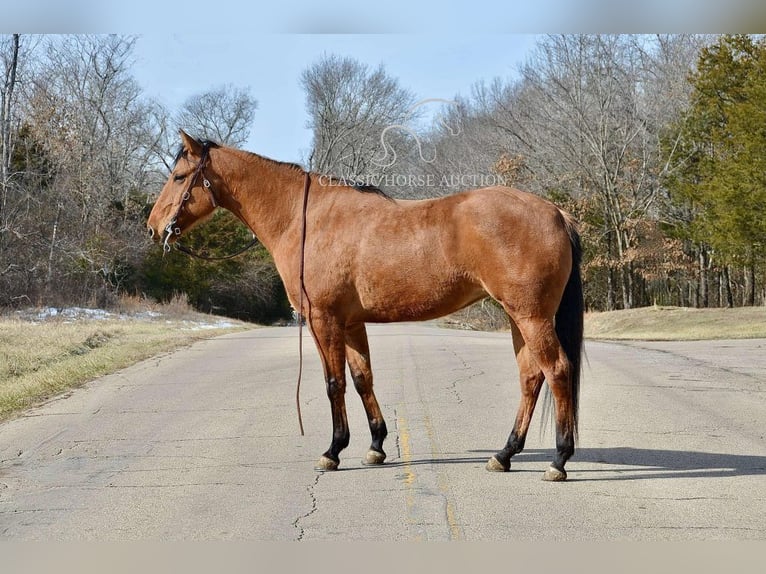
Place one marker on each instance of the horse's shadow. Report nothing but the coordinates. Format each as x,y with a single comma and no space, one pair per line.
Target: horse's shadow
624,463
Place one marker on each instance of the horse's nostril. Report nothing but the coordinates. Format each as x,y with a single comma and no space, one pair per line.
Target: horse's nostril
151,232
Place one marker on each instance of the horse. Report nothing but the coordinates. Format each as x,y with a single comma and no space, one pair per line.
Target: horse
348,256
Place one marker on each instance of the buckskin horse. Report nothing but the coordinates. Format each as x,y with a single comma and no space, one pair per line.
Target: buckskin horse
349,256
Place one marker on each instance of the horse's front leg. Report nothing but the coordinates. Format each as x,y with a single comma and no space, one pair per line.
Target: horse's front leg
330,340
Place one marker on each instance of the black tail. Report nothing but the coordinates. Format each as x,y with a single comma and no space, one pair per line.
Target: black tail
569,318
569,328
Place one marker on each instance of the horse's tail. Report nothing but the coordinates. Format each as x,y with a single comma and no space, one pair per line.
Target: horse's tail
569,317
569,323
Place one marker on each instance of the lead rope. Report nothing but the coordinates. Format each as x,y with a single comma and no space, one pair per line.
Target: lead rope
306,186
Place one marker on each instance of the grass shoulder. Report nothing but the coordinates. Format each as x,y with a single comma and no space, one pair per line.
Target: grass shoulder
677,324
40,359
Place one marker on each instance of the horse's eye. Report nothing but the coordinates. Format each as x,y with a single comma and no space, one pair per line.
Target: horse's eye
179,177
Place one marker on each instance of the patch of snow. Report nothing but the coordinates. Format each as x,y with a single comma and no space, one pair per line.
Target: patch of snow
78,312
71,314
66,313
46,313
148,315
198,326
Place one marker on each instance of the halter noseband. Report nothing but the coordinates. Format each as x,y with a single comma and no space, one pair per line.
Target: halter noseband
170,228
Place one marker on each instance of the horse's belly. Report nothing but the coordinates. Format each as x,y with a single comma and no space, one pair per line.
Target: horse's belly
408,298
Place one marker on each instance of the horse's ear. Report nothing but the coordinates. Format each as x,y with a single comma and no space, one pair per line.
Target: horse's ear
190,144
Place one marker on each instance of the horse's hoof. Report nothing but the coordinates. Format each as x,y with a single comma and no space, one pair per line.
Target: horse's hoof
553,474
326,464
374,458
494,465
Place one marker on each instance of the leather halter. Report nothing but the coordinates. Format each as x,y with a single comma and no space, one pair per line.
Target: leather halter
171,229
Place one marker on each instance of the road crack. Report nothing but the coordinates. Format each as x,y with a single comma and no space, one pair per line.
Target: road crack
312,495
466,367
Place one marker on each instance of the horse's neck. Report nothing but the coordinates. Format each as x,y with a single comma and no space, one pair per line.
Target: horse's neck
266,196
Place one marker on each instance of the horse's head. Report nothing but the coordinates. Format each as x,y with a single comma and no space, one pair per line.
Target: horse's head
187,197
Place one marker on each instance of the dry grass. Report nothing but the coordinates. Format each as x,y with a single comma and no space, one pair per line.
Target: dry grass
647,323
484,315
40,359
677,323
177,308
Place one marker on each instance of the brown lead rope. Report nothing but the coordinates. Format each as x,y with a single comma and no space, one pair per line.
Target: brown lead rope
190,253
306,186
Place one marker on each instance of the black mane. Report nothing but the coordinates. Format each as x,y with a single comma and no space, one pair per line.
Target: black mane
371,189
363,188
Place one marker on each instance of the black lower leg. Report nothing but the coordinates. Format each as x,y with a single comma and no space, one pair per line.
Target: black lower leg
514,445
341,435
340,440
378,429
564,449
379,433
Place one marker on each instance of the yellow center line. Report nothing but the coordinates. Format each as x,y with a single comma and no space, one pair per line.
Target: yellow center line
409,474
406,452
454,527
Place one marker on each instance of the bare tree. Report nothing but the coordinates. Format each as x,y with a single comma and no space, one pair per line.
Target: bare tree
224,114
17,262
95,131
9,53
466,143
588,115
10,56
349,107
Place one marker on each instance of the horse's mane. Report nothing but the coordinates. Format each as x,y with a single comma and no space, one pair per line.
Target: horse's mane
363,188
371,189
330,178
288,164
293,166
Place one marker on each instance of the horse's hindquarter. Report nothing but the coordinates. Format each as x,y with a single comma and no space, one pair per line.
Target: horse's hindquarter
519,247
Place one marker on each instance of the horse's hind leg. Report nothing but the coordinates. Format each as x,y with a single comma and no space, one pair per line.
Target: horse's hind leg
544,347
358,356
531,379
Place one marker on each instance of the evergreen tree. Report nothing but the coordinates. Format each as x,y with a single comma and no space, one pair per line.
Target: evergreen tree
719,188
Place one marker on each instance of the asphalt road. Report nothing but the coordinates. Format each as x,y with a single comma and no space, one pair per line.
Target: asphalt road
203,443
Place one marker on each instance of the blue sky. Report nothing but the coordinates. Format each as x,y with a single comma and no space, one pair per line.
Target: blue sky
436,49
172,67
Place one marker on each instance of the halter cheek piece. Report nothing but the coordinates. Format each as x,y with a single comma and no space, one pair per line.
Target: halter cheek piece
170,228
